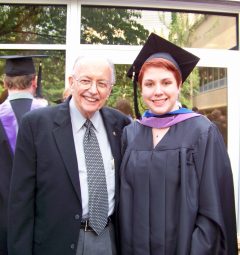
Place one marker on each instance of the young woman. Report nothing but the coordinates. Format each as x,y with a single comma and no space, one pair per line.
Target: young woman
176,193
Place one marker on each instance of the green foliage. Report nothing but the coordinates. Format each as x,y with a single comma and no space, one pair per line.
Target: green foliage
32,24
99,25
123,86
180,30
1,89
37,24
111,26
190,87
47,24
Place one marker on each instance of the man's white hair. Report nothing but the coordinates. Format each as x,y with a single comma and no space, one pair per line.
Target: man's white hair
110,63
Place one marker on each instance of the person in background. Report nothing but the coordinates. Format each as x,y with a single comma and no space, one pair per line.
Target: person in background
184,106
62,197
66,93
176,186
195,109
220,120
20,84
216,117
124,106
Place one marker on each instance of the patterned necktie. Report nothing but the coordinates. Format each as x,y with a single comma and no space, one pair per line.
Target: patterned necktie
97,187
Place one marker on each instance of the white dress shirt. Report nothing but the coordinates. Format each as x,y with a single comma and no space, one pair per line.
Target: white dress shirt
78,134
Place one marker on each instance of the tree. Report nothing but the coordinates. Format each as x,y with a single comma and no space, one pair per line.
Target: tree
99,25
112,26
123,87
37,24
32,24
47,24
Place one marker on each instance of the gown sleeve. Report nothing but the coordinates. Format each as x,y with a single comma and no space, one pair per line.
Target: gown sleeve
215,227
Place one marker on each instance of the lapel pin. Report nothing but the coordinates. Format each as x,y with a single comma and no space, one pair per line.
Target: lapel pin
114,133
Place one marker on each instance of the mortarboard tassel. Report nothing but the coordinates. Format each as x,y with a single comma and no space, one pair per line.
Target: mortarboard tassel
135,96
39,82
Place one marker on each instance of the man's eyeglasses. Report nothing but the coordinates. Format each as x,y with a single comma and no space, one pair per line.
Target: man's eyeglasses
87,83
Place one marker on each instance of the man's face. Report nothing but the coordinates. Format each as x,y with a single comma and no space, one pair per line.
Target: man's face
91,85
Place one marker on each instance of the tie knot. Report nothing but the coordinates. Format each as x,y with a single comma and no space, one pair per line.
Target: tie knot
88,124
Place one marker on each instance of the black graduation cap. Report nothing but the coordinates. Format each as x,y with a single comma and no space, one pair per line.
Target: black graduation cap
157,47
17,65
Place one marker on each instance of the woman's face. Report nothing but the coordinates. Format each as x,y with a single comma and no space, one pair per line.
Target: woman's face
160,90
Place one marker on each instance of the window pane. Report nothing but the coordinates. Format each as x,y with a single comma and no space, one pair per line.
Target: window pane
210,96
33,24
53,71
106,25
111,26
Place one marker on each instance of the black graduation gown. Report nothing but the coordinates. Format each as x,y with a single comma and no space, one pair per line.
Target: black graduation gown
20,107
177,198
6,160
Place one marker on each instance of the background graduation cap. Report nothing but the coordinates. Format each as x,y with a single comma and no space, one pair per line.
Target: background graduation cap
157,47
17,65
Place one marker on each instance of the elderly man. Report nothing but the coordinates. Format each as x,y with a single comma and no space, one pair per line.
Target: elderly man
65,171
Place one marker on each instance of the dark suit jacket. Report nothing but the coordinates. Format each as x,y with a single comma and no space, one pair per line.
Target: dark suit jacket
45,200
6,158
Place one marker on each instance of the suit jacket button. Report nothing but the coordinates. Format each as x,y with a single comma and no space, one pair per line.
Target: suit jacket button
77,217
72,246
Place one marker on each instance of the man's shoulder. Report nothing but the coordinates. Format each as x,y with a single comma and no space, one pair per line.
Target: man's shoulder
111,112
45,112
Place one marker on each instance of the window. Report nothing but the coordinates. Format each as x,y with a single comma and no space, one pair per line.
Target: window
119,26
38,24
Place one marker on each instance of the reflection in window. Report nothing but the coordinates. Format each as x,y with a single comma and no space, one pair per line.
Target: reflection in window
107,25
53,71
211,96
33,24
218,116
212,78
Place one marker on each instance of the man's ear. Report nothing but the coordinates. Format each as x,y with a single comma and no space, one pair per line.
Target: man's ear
70,82
34,82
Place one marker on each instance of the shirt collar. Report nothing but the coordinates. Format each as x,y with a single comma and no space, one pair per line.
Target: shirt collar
78,119
19,95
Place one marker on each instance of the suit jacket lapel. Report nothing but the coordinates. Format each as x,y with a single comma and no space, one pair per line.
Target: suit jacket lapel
64,140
